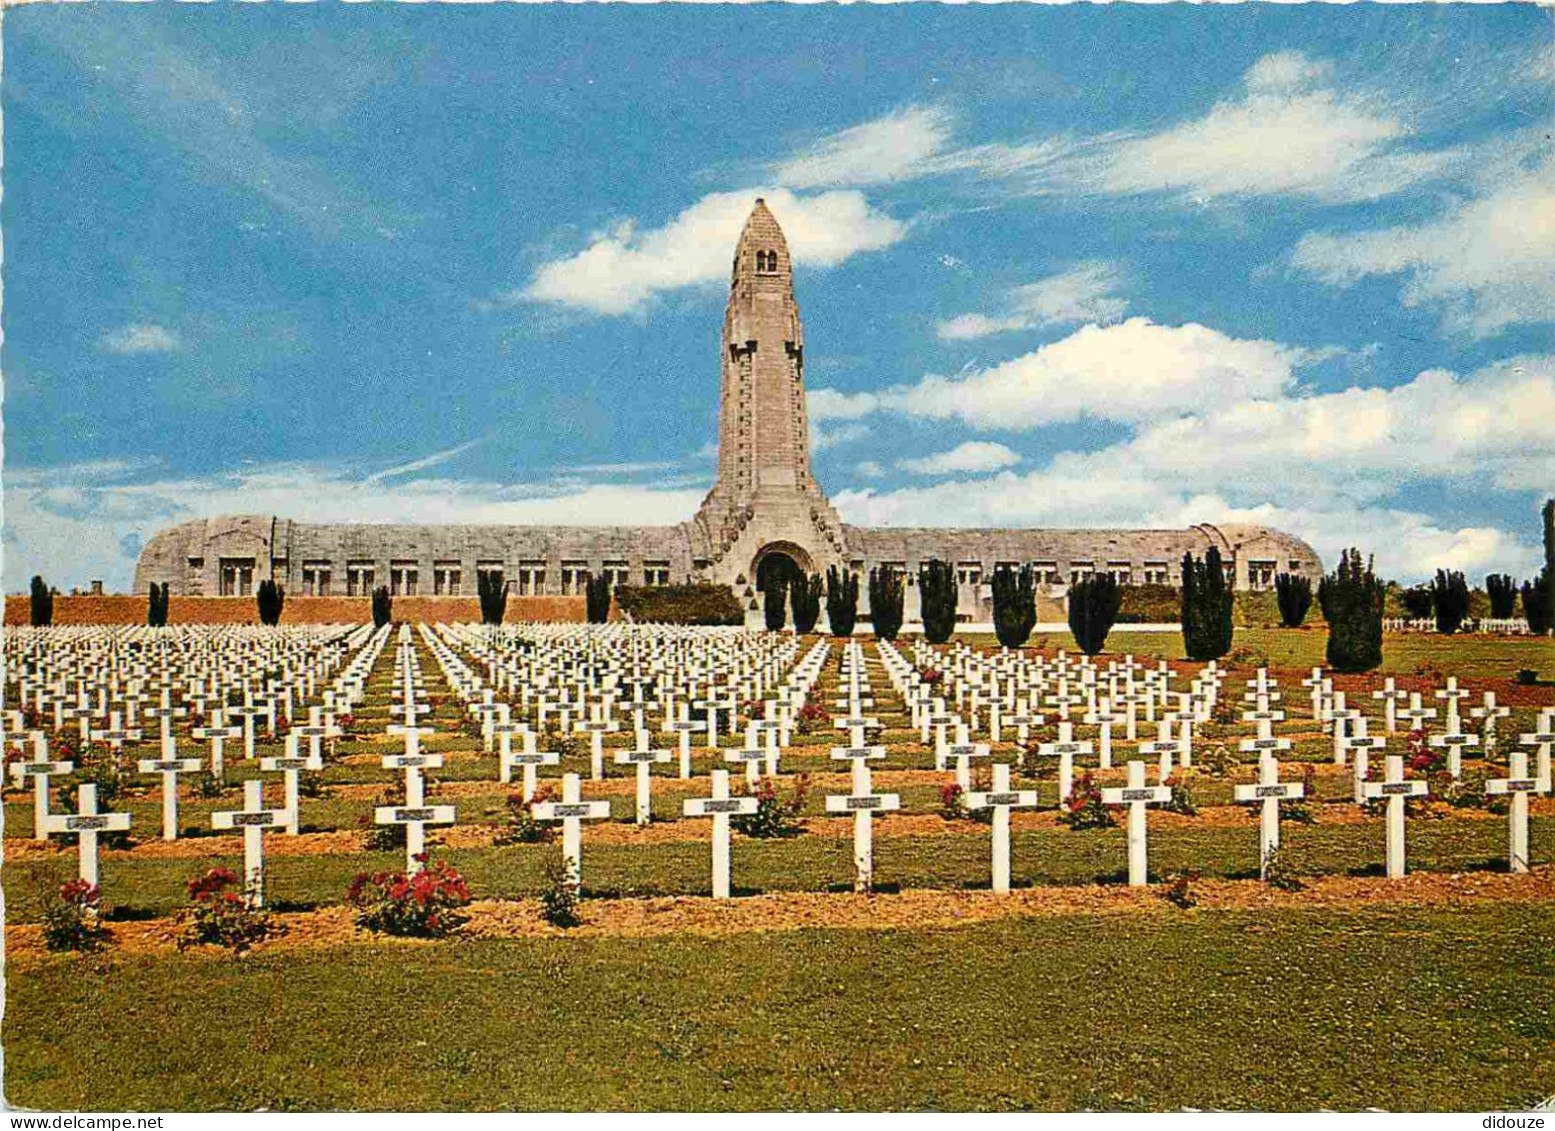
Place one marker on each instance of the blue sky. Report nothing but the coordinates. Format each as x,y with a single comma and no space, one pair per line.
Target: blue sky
1064,266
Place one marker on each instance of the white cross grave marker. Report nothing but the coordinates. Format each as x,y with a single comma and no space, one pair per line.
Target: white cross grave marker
1136,795
85,825
1395,789
253,819
1001,799
719,807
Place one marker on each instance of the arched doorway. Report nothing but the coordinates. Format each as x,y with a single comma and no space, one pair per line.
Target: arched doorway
776,566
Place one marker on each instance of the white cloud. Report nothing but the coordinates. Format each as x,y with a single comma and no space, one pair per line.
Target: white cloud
140,337
972,456
1343,455
870,469
71,523
1286,134
622,269
890,148
1135,370
1489,264
829,404
822,438
1080,294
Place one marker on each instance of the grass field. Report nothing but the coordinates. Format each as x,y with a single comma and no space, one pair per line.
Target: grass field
1468,656
1397,1009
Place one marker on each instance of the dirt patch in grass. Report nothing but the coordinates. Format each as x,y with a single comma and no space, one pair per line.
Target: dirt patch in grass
913,909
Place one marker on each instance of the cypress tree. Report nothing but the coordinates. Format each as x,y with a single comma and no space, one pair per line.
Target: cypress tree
841,600
1418,601
383,606
41,602
1501,588
491,587
596,599
885,602
1294,595
772,600
271,598
1351,598
1014,605
156,604
1536,607
938,597
1450,600
1207,601
805,596
1548,577
1093,609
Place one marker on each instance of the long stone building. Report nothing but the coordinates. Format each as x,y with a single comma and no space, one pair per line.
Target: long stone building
765,513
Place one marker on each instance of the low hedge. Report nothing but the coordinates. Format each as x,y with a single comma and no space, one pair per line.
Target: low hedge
680,604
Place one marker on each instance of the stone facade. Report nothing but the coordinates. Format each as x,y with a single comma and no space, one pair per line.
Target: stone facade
765,504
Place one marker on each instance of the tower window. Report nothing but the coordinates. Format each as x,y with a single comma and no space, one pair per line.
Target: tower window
766,262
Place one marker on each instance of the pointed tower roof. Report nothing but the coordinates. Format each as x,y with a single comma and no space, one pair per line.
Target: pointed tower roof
762,227
762,250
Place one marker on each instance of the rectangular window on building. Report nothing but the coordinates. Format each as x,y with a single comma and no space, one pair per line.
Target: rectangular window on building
1295,566
315,579
531,578
1122,572
447,579
403,578
1157,573
656,573
616,573
1260,574
359,579
1078,571
969,573
1047,572
575,578
237,577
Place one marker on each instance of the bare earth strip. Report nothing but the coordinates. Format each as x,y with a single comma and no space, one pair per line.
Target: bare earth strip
914,909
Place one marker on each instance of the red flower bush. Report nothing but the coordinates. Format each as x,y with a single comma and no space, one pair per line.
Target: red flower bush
1084,808
72,921
931,676
427,904
220,913
811,715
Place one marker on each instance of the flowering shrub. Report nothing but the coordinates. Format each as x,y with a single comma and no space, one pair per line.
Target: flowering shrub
1182,800
1084,809
931,676
560,898
1300,810
221,914
346,724
427,904
207,785
810,716
71,922
952,802
522,828
1178,890
1217,760
1278,874
774,817
1424,758
283,726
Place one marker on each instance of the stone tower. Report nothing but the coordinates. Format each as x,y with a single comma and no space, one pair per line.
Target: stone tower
765,502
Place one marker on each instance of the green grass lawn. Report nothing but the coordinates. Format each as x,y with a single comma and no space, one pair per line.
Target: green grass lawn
155,886
1294,1010
1468,657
